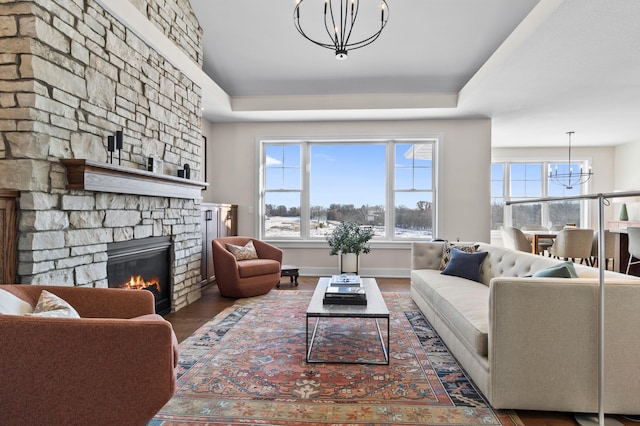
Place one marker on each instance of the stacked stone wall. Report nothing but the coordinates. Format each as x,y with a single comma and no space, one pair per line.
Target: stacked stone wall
71,75
176,20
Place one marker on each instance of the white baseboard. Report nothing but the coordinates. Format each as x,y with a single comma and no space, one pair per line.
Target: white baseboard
365,272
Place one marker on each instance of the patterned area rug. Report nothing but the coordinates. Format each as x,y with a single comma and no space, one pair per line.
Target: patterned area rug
247,366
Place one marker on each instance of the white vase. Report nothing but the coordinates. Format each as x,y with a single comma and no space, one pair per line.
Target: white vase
348,263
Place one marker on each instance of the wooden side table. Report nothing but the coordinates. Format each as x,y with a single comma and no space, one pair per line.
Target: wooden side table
290,271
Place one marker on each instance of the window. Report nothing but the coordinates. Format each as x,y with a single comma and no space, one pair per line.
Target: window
497,195
282,190
413,191
307,187
525,182
522,180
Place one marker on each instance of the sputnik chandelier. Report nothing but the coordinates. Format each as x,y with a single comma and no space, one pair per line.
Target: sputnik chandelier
339,20
570,178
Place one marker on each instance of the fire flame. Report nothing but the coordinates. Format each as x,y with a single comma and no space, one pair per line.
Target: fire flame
139,283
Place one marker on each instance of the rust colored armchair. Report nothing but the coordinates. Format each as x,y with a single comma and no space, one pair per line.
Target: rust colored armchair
245,278
115,365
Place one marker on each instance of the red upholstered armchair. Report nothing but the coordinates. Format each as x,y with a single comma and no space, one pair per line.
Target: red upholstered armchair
115,365
245,278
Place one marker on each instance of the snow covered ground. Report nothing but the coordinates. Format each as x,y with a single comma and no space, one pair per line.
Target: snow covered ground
283,227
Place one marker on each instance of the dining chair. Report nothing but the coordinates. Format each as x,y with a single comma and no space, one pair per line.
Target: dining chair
514,239
573,244
634,246
609,249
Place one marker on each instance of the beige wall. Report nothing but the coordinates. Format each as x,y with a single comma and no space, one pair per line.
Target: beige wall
464,171
627,175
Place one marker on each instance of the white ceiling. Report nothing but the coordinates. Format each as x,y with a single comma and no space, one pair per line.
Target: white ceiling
537,68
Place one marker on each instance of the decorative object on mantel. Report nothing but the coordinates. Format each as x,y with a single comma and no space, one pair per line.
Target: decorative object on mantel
113,143
185,172
119,145
111,146
155,165
88,175
339,21
570,179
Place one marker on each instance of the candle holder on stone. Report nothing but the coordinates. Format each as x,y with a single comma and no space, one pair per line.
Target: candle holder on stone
110,148
119,145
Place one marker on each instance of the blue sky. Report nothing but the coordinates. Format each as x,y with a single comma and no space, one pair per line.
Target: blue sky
342,173
347,174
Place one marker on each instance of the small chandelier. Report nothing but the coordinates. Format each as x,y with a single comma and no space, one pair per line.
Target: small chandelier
338,23
570,179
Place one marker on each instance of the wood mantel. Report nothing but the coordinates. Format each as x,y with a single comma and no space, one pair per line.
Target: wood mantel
90,175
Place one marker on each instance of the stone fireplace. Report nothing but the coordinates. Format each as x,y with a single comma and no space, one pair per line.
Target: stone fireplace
73,75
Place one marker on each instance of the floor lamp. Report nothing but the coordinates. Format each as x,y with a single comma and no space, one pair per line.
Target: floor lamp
600,419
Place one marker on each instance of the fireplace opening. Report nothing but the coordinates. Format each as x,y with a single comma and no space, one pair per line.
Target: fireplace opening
142,265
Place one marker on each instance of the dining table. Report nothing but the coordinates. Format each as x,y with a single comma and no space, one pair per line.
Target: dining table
536,236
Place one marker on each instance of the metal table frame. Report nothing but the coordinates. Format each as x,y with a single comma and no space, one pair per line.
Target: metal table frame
375,309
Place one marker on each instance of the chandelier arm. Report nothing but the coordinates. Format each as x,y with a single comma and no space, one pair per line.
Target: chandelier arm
340,39
302,33
569,133
367,41
344,8
354,15
333,34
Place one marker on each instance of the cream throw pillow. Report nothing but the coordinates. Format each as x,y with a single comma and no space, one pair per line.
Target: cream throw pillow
10,304
243,253
52,306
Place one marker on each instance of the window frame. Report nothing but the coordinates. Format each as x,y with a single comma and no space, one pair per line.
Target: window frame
306,143
545,164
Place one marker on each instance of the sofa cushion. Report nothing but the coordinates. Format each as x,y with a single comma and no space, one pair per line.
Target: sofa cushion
561,270
11,304
52,306
461,303
254,267
465,265
246,252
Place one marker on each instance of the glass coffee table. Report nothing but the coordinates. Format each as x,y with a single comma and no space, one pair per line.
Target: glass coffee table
376,309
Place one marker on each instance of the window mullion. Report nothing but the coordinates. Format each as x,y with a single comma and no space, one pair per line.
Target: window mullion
304,191
390,217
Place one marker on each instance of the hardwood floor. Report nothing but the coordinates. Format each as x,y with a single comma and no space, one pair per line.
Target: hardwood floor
189,319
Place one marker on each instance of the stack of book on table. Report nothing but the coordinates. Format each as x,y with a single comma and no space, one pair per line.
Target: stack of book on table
345,290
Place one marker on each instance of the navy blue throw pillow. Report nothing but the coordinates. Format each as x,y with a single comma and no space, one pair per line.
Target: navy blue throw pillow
465,265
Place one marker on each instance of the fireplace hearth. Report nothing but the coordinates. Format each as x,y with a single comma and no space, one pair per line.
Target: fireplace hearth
142,265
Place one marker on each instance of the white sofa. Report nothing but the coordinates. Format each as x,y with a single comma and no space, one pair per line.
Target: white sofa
532,343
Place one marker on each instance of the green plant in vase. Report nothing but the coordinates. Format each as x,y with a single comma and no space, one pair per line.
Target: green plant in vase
349,240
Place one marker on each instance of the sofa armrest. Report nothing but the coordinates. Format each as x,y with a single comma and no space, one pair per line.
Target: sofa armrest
426,254
104,302
224,263
544,333
267,251
96,302
86,371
